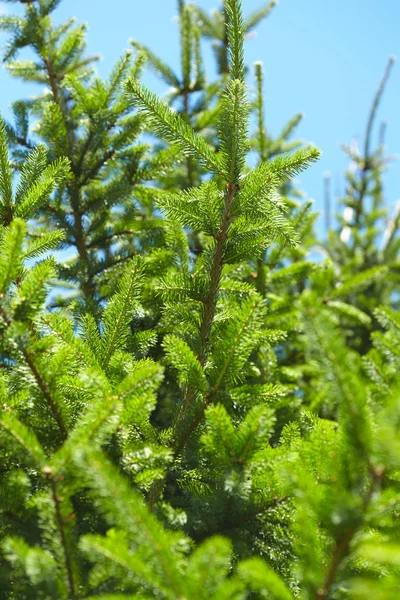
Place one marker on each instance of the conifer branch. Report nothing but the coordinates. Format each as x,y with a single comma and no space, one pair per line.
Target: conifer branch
109,237
375,106
46,393
342,547
235,30
108,265
259,14
261,131
118,313
233,137
253,515
113,493
158,65
172,127
91,173
186,35
40,381
5,177
24,436
235,342
210,301
87,285
367,164
63,537
262,138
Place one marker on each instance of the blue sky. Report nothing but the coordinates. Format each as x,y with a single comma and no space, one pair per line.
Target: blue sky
322,57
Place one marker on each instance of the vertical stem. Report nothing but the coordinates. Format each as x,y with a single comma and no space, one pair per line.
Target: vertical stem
260,276
375,105
187,116
367,146
210,303
59,100
64,543
225,46
261,133
341,551
342,548
382,133
87,286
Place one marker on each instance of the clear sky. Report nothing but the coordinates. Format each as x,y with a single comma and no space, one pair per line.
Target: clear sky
322,57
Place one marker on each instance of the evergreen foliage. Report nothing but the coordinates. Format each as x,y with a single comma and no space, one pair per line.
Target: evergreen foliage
365,245
191,407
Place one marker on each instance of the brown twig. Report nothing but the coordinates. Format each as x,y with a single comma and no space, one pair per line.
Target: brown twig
342,547
210,303
44,388
60,524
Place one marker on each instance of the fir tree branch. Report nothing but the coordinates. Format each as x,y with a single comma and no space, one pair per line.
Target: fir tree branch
103,267
232,349
367,165
5,177
210,301
91,174
233,137
342,547
262,138
261,131
235,30
46,393
120,500
254,19
87,285
393,227
250,516
118,313
375,105
40,381
223,58
24,436
107,238
186,38
172,127
63,537
188,157
158,65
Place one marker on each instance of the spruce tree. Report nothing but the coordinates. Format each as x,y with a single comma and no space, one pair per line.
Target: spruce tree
195,421
88,121
364,244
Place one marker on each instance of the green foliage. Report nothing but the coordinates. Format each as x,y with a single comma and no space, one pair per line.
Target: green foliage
191,406
364,246
170,126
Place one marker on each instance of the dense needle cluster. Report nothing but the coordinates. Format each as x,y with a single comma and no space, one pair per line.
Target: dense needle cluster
191,406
